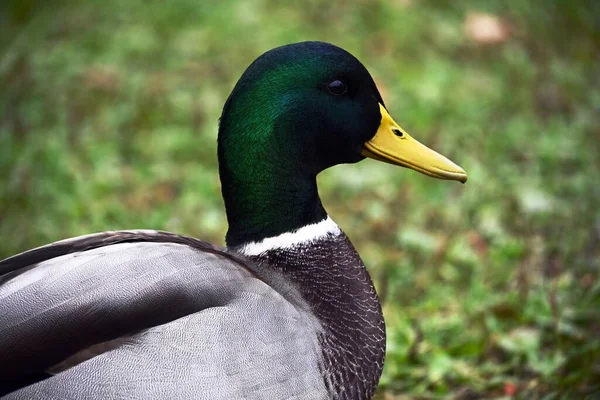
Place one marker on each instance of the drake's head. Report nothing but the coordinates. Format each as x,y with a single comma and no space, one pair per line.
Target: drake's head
301,108
314,105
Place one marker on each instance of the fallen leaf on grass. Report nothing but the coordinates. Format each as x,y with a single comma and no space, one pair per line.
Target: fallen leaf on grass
510,389
486,28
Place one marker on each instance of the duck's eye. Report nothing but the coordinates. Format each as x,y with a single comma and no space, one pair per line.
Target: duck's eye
337,87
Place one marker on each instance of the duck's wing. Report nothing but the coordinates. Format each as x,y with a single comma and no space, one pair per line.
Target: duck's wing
150,315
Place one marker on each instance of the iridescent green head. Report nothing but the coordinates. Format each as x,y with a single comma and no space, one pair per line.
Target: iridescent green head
296,110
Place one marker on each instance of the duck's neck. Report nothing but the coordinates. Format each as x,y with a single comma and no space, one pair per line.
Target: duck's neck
268,202
322,264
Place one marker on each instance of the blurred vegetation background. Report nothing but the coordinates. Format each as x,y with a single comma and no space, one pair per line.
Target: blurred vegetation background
108,120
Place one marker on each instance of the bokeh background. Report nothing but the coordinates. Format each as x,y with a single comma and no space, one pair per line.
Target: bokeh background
108,120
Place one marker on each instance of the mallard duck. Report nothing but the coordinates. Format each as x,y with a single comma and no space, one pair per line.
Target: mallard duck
286,310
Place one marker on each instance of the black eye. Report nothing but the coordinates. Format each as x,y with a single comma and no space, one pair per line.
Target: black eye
337,87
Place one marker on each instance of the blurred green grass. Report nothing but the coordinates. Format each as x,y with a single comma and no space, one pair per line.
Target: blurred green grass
108,120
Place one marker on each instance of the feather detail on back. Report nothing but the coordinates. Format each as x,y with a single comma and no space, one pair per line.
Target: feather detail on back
168,303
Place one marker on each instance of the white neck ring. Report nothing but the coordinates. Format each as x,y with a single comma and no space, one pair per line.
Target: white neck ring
302,236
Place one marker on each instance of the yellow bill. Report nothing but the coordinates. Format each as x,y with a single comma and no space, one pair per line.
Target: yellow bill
393,145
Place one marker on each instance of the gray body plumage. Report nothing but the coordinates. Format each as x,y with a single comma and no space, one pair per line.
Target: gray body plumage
185,320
